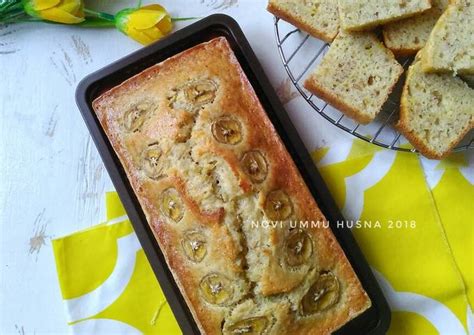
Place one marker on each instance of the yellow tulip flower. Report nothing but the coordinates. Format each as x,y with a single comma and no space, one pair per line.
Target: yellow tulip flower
146,24
62,11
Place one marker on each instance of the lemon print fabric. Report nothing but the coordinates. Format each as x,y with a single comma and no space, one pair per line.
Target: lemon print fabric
106,282
413,220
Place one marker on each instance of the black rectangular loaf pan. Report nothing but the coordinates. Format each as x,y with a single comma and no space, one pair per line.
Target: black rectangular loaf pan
375,320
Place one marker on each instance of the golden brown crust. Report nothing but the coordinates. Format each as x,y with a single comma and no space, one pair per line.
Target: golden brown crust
210,210
325,92
415,141
404,52
392,34
405,129
421,146
398,52
335,101
284,15
376,23
418,143
440,31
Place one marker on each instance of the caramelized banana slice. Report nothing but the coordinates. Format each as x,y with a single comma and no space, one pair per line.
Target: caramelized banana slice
227,130
134,118
278,205
250,326
322,295
151,161
216,289
177,100
171,204
193,95
255,165
201,92
298,248
194,246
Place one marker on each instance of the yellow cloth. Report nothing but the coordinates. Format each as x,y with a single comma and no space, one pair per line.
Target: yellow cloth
106,281
421,252
419,246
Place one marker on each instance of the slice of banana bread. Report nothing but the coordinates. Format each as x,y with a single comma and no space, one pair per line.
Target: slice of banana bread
364,14
450,47
436,111
406,37
319,18
356,75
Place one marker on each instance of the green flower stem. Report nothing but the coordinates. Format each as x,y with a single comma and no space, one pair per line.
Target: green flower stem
110,17
15,16
94,22
175,19
20,20
98,22
13,12
100,15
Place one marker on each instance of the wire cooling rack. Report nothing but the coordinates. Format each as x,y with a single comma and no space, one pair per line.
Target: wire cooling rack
301,52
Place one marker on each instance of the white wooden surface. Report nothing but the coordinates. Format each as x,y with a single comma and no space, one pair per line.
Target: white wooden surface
52,181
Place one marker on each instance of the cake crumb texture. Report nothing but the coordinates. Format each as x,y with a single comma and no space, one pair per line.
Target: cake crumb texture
365,14
407,36
437,110
450,47
356,75
319,18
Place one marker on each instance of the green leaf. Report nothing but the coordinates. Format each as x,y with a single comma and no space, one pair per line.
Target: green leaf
14,17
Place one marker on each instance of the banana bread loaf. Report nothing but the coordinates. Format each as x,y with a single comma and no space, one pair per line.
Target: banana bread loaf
212,176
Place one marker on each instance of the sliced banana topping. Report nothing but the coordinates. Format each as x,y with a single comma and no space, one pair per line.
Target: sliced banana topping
151,161
134,118
298,248
194,246
227,130
216,289
322,295
171,204
278,205
255,165
193,95
201,92
251,326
